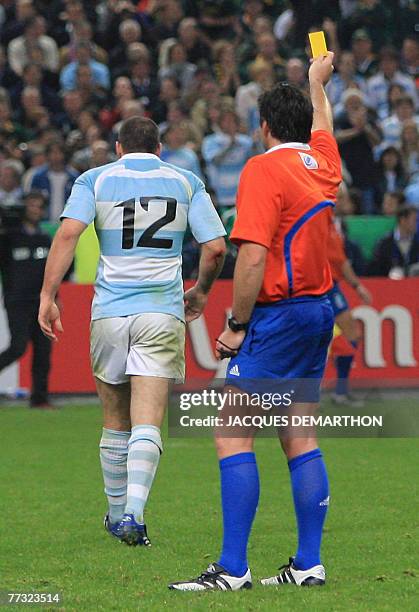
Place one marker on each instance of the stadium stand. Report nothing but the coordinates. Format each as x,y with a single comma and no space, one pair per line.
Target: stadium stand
71,70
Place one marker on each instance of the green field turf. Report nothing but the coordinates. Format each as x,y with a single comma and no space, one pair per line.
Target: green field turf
52,539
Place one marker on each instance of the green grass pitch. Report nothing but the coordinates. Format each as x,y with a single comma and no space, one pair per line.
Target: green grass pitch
52,539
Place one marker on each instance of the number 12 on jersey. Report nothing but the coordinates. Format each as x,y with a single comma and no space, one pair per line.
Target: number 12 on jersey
147,238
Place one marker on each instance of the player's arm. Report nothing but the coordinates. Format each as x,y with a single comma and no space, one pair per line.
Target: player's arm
319,74
208,230
355,282
59,261
210,265
79,212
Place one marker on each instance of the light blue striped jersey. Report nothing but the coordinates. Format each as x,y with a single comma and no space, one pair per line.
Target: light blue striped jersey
141,206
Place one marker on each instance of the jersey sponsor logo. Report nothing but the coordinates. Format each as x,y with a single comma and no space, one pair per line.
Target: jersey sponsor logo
309,161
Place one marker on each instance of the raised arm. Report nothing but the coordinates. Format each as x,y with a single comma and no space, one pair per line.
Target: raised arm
319,74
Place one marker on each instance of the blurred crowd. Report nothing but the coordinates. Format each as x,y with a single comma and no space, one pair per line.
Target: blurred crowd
72,70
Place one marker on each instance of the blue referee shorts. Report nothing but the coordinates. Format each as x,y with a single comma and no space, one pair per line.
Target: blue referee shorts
286,341
338,300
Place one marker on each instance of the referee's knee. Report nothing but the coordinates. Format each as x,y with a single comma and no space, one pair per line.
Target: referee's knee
232,446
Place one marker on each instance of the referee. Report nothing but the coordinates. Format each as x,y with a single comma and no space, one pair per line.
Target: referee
23,252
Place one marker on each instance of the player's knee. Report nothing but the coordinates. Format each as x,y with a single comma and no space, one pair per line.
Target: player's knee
149,433
293,447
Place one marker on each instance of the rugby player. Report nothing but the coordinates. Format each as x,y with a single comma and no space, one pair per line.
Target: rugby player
140,207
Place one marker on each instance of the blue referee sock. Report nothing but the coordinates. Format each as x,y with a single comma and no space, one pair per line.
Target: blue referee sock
310,489
343,365
240,496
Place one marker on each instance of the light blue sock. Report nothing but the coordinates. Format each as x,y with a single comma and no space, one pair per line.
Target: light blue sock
240,496
113,459
310,489
144,449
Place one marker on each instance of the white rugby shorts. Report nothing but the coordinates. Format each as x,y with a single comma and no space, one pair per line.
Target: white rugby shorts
146,344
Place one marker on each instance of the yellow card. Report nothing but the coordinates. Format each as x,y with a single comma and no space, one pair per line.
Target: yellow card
318,44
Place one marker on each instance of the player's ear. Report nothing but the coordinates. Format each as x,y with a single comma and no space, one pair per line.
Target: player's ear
118,149
158,150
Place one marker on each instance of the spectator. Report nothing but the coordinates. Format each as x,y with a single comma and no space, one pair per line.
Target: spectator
296,73
24,10
145,85
55,180
208,97
393,201
225,154
32,76
97,152
176,152
23,253
365,59
122,91
217,19
36,158
391,127
178,113
177,67
34,35
357,134
396,254
167,17
72,102
410,56
190,37
129,32
345,78
225,67
247,96
7,76
409,147
82,31
169,91
92,95
267,50
99,72
392,176
377,86
10,189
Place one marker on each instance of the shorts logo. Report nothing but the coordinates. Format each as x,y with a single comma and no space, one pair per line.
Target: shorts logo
309,161
235,371
325,502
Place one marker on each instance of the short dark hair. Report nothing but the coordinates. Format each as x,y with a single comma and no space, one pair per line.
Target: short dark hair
139,135
405,211
288,113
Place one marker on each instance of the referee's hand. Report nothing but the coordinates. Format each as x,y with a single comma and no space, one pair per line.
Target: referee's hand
49,319
321,68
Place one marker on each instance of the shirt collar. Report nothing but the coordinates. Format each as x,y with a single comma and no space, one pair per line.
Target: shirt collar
139,156
290,145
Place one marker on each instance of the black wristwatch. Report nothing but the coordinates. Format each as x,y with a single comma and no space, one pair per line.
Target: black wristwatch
235,326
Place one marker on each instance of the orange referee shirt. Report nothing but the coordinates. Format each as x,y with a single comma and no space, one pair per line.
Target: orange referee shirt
284,202
336,252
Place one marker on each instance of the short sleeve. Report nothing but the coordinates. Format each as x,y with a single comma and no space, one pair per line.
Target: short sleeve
81,204
203,219
324,142
258,205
